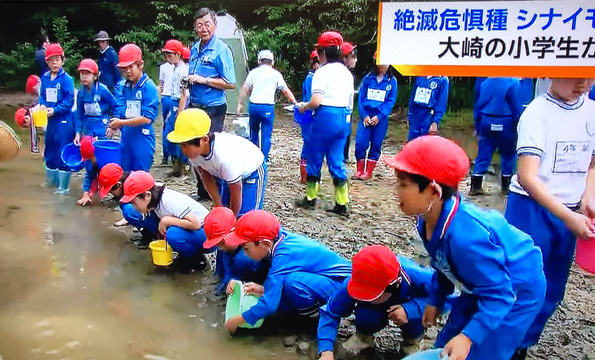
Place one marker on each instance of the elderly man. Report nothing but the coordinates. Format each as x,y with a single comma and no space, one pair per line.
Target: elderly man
109,74
211,70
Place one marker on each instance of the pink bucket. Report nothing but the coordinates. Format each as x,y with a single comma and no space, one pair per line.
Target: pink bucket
585,254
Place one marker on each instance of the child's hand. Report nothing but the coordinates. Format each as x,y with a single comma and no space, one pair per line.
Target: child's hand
230,287
588,208
430,315
458,348
580,225
398,315
232,324
26,121
50,112
86,199
77,139
115,123
374,121
109,133
163,225
253,289
433,129
327,355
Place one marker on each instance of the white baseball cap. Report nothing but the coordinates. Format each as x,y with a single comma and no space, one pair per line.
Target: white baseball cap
266,54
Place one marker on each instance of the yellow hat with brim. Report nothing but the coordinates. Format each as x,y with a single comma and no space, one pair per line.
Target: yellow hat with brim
190,124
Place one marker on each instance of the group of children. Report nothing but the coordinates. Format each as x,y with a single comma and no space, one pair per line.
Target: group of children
501,277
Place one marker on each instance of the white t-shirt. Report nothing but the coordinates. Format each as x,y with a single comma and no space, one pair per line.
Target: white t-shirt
232,158
166,74
180,71
179,205
563,136
264,81
335,83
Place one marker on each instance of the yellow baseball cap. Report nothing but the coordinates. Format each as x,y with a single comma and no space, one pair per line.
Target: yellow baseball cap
190,124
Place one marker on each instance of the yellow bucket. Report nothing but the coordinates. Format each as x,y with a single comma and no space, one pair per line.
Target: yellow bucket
40,118
161,253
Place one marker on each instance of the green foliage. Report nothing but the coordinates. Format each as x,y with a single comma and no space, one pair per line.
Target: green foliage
16,66
69,44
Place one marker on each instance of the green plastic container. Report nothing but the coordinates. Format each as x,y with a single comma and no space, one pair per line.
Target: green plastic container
238,303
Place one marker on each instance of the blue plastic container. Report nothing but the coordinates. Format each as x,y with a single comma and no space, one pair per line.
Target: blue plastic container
107,151
71,157
433,354
304,118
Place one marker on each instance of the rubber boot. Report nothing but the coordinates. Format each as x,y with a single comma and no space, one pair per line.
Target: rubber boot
520,354
309,201
341,199
505,184
370,166
176,168
476,185
63,182
359,172
145,240
303,172
51,178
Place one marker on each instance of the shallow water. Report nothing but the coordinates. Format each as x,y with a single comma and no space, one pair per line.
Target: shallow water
73,287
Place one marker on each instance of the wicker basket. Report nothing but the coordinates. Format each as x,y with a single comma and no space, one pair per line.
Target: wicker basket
10,144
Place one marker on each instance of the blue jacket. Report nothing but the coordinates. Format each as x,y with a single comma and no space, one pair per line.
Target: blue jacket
144,95
371,93
592,93
62,87
501,98
307,87
214,60
476,88
91,173
93,107
412,295
527,92
429,94
483,254
109,74
40,61
291,253
238,261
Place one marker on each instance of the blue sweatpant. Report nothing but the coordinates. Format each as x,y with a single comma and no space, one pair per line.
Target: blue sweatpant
253,189
262,117
174,150
136,154
59,133
419,122
305,139
327,138
504,139
187,243
501,343
166,107
557,245
370,137
136,219
370,319
304,293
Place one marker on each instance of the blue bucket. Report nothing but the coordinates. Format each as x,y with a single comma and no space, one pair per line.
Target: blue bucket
305,118
433,354
71,157
107,151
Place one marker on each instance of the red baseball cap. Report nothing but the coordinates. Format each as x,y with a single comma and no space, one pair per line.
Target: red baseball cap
372,270
174,46
88,65
313,55
32,82
433,157
19,116
87,148
217,225
137,183
53,50
347,48
129,54
329,39
185,53
254,226
109,176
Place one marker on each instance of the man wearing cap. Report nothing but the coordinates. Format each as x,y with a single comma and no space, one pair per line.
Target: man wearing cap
235,162
261,85
332,95
232,263
303,274
109,75
350,60
138,111
306,96
211,70
382,286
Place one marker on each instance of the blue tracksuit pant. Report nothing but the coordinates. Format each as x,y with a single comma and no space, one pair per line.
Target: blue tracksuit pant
305,138
253,188
557,244
174,150
420,121
166,108
370,137
262,117
136,219
496,133
58,134
303,293
187,243
136,155
327,138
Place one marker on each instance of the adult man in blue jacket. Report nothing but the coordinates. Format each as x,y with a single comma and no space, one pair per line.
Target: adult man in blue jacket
109,74
43,42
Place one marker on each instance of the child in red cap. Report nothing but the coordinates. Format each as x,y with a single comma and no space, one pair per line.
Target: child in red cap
90,186
180,217
303,274
306,96
497,267
232,263
382,286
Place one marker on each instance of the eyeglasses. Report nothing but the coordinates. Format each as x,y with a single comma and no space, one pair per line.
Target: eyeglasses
200,25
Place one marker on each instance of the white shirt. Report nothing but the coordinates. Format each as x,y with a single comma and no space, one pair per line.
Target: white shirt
166,74
180,71
264,81
335,83
179,206
563,136
232,158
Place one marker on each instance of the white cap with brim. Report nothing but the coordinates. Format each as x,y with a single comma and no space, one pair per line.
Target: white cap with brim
266,55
